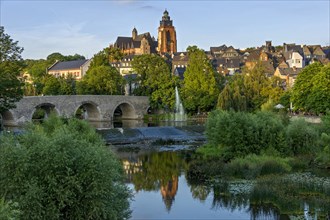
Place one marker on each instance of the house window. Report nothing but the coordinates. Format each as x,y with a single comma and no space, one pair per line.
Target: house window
297,61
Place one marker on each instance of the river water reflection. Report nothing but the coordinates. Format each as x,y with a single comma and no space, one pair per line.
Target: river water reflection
163,189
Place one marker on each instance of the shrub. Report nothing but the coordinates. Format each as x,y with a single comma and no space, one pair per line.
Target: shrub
301,137
253,166
238,134
62,170
8,210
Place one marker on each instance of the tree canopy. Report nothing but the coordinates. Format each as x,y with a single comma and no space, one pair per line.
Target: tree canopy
101,80
10,67
155,80
249,91
59,85
101,58
201,84
311,91
62,170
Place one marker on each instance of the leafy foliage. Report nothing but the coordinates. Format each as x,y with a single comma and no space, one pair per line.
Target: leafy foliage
233,97
249,91
237,134
201,84
155,80
311,91
101,58
10,66
101,80
62,170
9,210
301,137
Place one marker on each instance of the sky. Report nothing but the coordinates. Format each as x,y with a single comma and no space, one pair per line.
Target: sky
87,26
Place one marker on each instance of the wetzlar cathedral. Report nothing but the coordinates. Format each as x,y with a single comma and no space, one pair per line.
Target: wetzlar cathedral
139,44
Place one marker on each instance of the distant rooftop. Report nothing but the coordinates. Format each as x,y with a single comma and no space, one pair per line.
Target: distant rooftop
67,65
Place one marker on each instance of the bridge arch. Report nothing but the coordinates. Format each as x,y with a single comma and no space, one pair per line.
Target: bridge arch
43,110
124,110
7,118
88,110
98,107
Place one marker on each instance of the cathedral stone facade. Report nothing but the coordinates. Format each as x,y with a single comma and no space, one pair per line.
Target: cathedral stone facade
139,44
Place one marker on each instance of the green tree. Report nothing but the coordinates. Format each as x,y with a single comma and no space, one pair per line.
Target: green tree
318,100
155,80
232,97
102,80
249,91
36,68
115,54
10,66
200,85
52,86
101,58
68,85
255,81
311,91
52,58
74,57
62,170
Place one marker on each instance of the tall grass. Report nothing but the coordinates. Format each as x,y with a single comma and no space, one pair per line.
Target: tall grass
253,166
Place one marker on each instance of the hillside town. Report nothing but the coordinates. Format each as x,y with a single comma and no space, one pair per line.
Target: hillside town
284,61
143,130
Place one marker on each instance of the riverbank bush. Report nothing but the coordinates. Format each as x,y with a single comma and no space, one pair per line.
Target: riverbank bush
8,210
301,137
238,134
253,166
61,169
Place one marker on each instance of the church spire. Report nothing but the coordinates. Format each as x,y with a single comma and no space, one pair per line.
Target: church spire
134,33
166,35
166,19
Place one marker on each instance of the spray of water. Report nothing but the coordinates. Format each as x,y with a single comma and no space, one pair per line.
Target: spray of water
179,113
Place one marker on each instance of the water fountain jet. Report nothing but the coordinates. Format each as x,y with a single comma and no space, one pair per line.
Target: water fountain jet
179,113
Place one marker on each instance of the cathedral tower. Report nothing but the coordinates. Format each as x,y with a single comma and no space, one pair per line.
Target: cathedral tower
166,35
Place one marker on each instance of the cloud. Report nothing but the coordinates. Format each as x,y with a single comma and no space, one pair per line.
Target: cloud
148,7
126,2
40,41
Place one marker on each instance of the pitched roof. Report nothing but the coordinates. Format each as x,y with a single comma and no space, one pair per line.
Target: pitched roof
254,55
180,56
283,64
289,71
128,42
293,47
228,63
67,65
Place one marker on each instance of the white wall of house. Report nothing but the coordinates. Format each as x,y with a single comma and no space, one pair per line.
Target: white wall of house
296,60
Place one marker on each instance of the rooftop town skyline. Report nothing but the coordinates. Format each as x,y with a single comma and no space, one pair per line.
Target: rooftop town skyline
86,27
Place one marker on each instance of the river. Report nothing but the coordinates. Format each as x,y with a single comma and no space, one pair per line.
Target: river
164,189
157,162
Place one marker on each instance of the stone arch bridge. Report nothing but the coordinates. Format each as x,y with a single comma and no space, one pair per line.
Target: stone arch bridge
92,107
